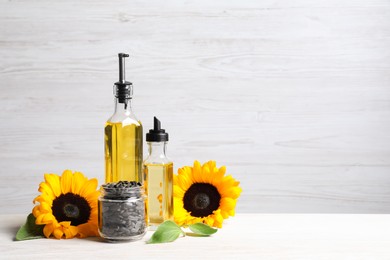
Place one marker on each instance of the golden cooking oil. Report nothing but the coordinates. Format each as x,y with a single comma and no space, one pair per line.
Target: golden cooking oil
158,177
123,151
123,134
159,189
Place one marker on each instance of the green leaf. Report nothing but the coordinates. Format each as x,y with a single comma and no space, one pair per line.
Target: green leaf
202,229
166,232
30,230
190,234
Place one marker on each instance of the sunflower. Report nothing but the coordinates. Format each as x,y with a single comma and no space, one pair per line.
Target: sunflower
68,205
204,194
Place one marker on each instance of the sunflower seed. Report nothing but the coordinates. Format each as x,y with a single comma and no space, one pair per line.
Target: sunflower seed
122,211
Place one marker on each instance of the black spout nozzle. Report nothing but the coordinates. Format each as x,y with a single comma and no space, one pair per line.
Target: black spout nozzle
157,134
157,124
123,89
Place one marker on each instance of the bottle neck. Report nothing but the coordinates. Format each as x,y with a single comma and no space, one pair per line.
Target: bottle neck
157,149
123,105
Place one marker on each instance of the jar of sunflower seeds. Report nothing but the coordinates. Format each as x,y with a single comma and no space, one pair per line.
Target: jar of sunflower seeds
122,211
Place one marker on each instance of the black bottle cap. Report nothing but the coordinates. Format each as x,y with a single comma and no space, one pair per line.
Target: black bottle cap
123,89
157,134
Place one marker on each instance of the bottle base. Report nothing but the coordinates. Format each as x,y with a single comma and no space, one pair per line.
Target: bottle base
122,239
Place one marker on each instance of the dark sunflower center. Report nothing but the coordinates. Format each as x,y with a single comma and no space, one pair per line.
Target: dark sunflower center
71,211
201,199
71,207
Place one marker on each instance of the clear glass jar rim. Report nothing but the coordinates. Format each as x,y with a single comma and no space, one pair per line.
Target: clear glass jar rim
130,192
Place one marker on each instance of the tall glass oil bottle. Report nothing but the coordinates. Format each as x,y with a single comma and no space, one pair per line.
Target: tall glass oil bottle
123,134
158,177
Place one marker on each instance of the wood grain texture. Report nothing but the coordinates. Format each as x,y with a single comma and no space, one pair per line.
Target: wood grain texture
246,236
292,96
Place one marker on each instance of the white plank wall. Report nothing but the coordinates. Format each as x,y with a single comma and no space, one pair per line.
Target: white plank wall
292,96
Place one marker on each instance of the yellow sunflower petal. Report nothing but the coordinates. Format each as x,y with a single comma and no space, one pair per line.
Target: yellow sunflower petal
78,182
48,230
73,230
89,187
187,170
36,212
39,219
228,187
180,211
218,219
65,224
178,192
43,198
44,188
70,232
234,192
209,221
48,218
178,203
217,224
94,213
182,171
95,224
227,203
44,218
192,220
92,197
212,165
38,199
45,207
206,175
67,233
180,214
184,181
224,214
178,221
220,173
227,206
230,181
58,233
175,181
216,181
66,181
184,220
87,230
197,172
53,181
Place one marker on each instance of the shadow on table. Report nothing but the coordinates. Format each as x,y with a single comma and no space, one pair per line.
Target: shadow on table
12,232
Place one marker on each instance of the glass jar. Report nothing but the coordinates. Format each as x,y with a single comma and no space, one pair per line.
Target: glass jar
122,212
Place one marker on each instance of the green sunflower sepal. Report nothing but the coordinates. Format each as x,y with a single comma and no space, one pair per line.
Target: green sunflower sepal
30,230
169,231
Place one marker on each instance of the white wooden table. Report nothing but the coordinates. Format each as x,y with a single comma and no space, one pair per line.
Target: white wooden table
246,236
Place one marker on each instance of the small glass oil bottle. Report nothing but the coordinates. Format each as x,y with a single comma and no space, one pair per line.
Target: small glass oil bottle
158,177
123,134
